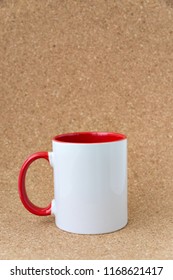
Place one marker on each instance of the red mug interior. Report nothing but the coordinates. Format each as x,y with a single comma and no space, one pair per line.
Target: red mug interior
89,137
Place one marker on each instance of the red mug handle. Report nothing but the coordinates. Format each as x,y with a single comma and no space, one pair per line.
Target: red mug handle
22,189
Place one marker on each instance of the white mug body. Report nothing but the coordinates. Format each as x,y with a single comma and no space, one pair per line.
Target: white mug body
90,186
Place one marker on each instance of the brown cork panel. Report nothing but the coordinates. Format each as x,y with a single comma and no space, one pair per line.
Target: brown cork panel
79,66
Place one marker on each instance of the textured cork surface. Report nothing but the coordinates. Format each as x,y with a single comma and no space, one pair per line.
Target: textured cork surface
87,66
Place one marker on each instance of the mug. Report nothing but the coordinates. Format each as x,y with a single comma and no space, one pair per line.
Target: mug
90,182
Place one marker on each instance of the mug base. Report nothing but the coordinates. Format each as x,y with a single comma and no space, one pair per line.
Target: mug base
94,232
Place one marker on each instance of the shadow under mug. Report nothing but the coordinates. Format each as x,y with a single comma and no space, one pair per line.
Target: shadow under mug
90,182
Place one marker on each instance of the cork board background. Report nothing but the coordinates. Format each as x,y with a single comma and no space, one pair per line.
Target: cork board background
78,66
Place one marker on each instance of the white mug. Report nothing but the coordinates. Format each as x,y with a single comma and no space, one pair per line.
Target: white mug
90,182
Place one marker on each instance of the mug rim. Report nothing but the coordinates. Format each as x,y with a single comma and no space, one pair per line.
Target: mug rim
89,137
